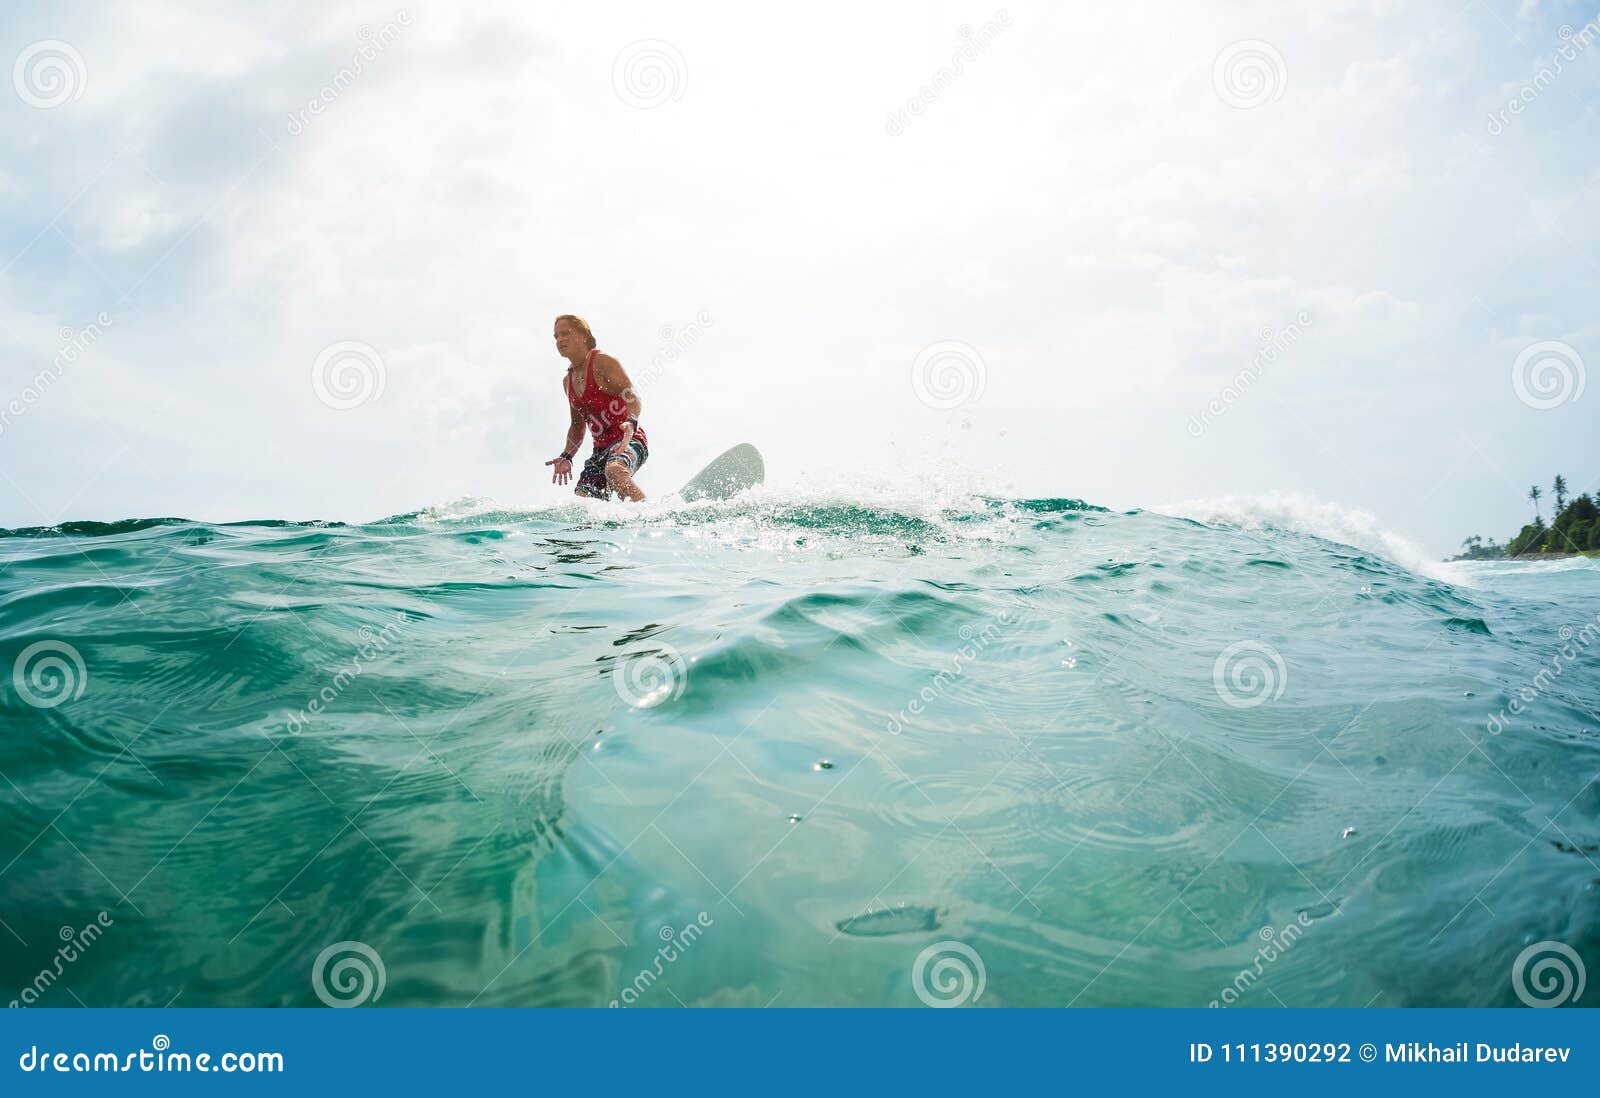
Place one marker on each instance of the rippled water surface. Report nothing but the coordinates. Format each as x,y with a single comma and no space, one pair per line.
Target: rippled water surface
787,751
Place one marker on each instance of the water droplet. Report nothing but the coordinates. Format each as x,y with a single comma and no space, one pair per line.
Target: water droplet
794,819
1349,831
1069,662
823,765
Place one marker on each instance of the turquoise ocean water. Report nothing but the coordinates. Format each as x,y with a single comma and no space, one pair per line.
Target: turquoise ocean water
789,751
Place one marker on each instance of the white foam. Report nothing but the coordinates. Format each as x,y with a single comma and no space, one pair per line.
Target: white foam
1525,567
926,492
1309,515
932,494
464,508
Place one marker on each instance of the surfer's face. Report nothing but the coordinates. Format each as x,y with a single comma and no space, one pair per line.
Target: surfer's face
568,338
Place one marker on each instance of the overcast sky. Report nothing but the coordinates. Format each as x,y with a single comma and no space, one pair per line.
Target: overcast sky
1046,269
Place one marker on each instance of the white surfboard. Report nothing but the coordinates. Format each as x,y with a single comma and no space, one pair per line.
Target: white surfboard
730,474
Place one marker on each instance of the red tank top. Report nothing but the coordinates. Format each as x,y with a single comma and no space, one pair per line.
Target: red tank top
603,412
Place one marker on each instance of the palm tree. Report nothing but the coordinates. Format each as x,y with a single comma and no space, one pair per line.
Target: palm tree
1534,494
1560,490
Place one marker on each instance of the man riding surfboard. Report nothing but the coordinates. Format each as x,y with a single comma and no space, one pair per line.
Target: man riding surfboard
599,394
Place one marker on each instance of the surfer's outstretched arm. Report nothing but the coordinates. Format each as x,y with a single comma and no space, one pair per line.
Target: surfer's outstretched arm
563,464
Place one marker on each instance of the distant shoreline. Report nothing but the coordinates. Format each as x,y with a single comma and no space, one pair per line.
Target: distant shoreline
1575,523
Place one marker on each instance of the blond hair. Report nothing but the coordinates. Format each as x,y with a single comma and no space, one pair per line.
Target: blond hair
582,325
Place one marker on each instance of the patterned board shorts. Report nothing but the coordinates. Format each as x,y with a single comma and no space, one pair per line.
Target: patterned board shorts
592,481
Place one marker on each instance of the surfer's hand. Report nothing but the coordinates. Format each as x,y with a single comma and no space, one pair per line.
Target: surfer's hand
563,470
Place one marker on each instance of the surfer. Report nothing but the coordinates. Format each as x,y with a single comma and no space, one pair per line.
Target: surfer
600,395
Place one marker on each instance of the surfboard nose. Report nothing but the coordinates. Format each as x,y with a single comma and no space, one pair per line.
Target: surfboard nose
734,471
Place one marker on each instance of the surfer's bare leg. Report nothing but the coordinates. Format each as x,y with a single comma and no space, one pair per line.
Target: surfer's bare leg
621,481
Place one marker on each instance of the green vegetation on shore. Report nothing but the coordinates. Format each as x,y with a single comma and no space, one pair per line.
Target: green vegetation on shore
1575,529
